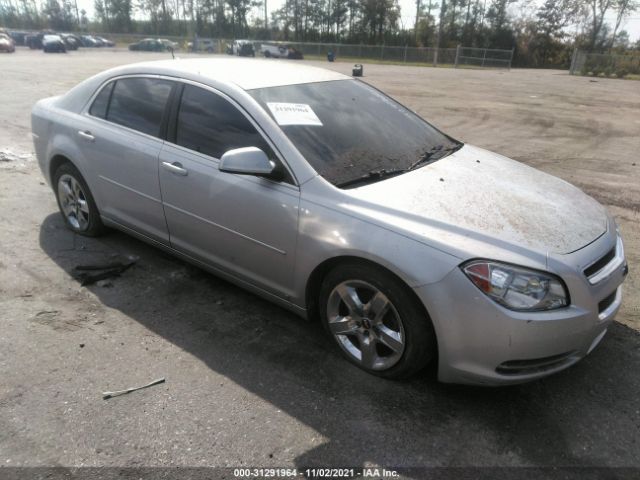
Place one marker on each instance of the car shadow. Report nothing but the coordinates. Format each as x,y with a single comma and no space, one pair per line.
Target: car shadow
291,364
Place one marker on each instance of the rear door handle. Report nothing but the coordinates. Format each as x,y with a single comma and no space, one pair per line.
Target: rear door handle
86,134
175,167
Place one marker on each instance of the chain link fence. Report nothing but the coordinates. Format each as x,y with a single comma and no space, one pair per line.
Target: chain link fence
484,57
458,57
604,64
383,53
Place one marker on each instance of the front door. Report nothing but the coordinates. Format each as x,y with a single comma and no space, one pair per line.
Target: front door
244,225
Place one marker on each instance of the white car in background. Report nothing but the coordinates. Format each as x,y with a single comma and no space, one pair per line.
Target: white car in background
274,50
202,45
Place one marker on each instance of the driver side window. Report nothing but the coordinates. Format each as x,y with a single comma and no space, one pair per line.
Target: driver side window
209,124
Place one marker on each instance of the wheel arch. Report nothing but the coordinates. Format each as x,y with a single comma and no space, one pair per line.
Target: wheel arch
320,271
59,157
56,162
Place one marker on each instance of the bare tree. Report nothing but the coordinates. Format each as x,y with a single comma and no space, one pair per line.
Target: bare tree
624,9
598,9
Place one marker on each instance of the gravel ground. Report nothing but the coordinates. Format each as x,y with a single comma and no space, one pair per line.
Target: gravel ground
248,384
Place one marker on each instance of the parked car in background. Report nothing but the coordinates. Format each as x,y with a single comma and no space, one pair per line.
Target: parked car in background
295,54
92,41
202,45
170,44
17,37
53,44
148,45
34,40
6,43
70,41
89,41
105,42
75,37
243,48
408,245
274,50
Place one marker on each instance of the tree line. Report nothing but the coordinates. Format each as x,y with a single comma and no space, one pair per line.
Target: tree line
542,35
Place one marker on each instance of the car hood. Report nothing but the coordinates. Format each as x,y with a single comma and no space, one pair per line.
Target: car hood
477,195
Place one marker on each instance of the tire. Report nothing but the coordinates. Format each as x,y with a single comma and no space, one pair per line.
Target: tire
389,329
76,203
267,54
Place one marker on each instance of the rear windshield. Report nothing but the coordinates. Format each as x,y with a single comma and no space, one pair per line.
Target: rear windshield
346,129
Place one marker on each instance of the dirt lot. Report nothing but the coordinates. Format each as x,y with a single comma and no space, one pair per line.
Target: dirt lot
250,384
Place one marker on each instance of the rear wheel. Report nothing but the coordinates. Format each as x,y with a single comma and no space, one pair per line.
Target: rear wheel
77,206
377,323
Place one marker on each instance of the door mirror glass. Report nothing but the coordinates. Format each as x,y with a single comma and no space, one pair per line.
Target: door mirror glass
249,161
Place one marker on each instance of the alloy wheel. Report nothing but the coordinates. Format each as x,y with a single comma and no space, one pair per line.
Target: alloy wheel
365,324
73,202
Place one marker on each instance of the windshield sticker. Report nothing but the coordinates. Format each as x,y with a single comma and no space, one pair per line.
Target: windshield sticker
294,114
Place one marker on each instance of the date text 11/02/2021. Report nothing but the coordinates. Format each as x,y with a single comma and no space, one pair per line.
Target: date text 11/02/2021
313,473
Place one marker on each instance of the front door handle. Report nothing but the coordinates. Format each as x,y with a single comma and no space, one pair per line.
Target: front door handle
175,167
86,134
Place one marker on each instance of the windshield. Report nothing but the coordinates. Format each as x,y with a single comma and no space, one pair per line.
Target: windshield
348,130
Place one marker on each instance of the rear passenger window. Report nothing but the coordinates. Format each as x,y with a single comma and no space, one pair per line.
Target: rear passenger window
139,103
101,102
209,124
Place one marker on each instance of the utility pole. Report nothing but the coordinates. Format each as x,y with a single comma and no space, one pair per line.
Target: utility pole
417,19
77,13
443,6
266,19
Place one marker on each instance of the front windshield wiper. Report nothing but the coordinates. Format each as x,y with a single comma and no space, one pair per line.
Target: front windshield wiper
372,176
433,154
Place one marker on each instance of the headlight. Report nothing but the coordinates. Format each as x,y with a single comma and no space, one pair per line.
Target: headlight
517,288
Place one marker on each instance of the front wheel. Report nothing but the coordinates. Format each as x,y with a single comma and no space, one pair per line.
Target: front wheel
77,206
376,321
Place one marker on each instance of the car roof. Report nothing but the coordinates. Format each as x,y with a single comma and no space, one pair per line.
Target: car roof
247,74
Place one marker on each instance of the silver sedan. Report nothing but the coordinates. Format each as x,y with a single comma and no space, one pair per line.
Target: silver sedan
324,195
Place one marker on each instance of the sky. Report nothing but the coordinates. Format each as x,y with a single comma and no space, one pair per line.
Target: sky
408,14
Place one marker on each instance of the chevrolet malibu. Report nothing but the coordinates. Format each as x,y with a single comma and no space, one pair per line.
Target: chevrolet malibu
322,194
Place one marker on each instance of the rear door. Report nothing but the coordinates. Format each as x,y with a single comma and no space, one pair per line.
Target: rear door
121,142
242,224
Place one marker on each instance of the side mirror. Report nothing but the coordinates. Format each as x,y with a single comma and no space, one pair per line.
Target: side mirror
249,161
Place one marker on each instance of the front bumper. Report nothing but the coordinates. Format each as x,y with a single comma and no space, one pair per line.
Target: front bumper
483,343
